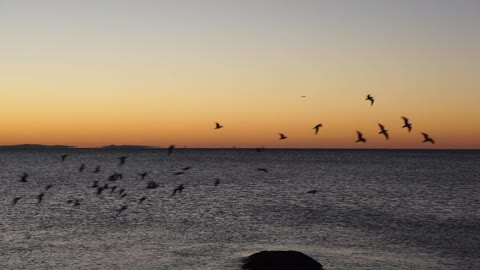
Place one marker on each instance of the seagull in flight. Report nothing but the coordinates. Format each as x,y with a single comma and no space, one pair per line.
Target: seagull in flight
23,177
369,97
317,127
282,136
170,149
178,189
406,124
218,126
360,137
383,131
262,170
427,138
122,160
64,157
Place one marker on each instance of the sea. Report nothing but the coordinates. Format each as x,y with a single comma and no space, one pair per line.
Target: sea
347,209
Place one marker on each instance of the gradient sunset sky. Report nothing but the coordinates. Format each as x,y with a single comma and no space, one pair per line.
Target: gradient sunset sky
92,73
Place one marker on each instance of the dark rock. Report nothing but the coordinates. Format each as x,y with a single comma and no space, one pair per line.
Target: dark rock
280,260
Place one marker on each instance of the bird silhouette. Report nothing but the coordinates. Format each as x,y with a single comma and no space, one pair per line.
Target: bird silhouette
178,189
427,138
81,168
218,126
97,169
406,124
262,170
372,100
23,177
122,160
40,198
64,157
360,137
143,175
313,191
15,200
170,149
317,127
122,208
282,136
383,131
152,185
217,182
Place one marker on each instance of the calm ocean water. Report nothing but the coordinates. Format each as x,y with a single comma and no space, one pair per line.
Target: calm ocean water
374,209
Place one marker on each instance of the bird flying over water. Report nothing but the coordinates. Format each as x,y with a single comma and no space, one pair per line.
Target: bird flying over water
64,157
170,149
218,125
372,100
262,170
317,127
427,138
122,160
360,137
282,136
383,131
178,189
40,197
406,124
23,177
81,168
15,200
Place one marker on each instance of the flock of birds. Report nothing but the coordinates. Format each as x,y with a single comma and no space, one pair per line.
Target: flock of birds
360,137
110,185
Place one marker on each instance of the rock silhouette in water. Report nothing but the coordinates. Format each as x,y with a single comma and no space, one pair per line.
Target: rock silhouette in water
280,260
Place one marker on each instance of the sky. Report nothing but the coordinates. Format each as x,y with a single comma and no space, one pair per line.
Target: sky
92,73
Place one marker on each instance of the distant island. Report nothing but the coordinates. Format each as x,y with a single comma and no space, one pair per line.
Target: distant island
113,146
36,146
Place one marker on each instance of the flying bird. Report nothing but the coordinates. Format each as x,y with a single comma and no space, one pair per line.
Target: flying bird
170,149
178,189
81,168
15,200
383,131
122,160
262,170
218,126
360,137
123,208
64,157
406,124
282,136
23,177
317,127
152,185
40,198
427,138
369,97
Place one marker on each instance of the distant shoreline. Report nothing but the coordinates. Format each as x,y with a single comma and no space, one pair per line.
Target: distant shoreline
147,147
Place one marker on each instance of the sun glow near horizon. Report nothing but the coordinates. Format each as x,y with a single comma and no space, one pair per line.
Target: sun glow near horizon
99,73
